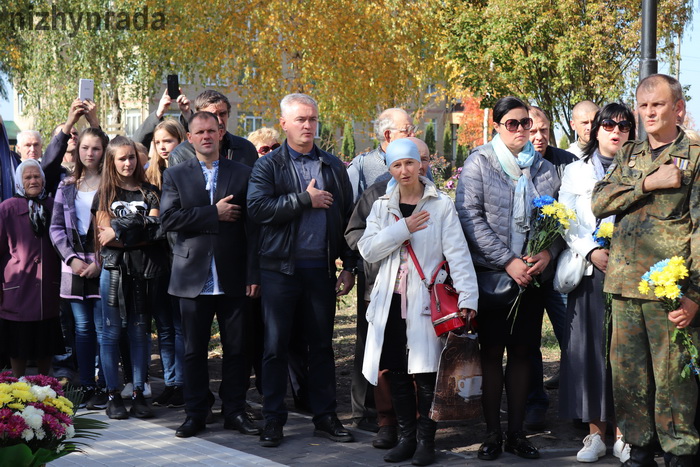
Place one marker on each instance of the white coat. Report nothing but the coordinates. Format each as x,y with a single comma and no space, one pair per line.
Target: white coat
575,192
442,239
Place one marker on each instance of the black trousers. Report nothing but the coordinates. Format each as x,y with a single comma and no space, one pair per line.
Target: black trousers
309,296
233,315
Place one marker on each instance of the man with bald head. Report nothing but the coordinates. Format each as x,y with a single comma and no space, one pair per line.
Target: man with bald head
581,119
364,169
368,403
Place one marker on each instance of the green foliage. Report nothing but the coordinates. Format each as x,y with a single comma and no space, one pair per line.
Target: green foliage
327,140
564,142
348,145
554,54
447,143
462,152
430,137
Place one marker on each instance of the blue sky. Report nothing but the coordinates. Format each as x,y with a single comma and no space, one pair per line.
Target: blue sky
690,70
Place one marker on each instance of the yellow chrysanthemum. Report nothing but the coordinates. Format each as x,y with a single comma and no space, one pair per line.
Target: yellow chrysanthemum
549,210
23,395
16,406
606,230
643,287
672,291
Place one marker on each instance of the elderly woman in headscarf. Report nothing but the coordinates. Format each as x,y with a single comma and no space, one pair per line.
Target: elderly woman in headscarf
29,320
400,337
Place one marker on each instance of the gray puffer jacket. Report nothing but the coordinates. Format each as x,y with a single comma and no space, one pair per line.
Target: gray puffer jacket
484,202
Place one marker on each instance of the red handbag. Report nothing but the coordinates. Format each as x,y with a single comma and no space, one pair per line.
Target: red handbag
444,299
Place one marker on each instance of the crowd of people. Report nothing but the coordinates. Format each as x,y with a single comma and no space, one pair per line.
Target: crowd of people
250,232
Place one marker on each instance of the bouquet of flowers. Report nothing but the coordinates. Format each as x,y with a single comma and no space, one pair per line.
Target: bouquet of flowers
664,278
550,219
603,234
37,422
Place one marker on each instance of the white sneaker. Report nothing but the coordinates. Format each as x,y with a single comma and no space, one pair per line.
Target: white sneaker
621,450
593,448
128,391
147,390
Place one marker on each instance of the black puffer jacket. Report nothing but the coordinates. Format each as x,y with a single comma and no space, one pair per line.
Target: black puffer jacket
276,200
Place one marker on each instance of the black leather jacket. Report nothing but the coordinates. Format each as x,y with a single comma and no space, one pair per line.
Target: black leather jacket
276,200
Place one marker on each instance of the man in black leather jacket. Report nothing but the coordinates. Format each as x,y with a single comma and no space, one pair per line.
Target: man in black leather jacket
231,147
302,198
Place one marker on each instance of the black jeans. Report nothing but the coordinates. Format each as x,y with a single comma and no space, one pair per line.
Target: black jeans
309,296
233,315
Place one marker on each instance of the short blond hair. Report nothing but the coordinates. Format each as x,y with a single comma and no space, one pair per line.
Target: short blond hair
261,135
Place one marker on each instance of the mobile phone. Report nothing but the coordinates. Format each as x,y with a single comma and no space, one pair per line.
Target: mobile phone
173,87
86,90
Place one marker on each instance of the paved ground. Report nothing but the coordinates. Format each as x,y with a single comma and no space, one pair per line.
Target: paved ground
136,442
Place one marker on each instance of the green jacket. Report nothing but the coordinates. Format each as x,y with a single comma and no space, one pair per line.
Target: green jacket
653,226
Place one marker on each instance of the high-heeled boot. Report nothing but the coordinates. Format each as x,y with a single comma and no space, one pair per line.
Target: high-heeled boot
425,449
403,397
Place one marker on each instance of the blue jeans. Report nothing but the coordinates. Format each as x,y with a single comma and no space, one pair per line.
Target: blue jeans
172,346
88,331
137,329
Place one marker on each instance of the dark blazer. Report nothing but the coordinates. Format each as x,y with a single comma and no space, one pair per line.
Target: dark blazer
186,210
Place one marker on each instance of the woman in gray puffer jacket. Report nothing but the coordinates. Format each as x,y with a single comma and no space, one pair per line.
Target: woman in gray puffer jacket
494,202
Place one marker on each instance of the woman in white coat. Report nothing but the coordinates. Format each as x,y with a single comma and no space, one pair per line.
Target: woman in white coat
585,390
401,337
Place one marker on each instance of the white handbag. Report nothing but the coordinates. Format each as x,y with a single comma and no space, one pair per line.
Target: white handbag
570,269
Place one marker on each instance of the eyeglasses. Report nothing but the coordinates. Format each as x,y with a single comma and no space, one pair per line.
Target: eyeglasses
512,124
265,149
407,130
609,125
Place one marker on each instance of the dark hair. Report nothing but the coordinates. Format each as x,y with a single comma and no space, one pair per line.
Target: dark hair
111,179
610,111
79,167
209,97
505,105
202,115
652,81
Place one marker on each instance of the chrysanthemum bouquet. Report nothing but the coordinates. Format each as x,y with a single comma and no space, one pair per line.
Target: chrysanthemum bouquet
37,422
664,278
550,219
603,234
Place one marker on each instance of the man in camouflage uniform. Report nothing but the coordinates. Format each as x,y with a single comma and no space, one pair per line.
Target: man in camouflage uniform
653,187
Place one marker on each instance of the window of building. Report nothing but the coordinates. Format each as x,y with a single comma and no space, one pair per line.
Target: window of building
132,120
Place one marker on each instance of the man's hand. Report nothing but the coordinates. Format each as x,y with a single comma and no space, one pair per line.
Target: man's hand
517,269
78,266
91,271
91,114
164,104
228,212
184,103
539,262
599,258
417,221
668,176
319,198
252,291
684,315
345,283
74,113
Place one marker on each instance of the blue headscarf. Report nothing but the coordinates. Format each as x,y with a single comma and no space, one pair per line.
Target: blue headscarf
402,148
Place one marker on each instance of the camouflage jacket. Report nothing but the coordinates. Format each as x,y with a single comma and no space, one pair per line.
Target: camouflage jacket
652,226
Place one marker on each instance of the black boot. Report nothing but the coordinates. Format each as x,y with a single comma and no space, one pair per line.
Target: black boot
403,397
640,456
115,406
425,450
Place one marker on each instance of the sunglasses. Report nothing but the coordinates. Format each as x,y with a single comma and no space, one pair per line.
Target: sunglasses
512,124
609,125
265,149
